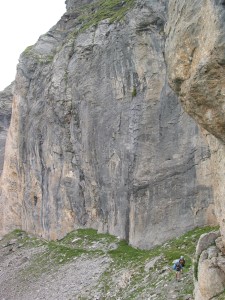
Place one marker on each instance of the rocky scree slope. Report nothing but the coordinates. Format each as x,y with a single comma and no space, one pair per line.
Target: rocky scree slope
98,138
87,265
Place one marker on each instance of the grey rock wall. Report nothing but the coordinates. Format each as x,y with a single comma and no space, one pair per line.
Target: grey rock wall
98,139
6,97
195,58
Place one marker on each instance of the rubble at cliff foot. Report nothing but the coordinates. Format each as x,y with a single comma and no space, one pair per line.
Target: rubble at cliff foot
88,265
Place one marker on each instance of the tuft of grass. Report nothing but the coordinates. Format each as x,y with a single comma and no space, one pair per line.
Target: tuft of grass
196,268
15,234
61,254
125,253
134,92
28,50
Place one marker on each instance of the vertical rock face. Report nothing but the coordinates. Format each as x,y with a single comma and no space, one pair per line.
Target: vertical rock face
98,138
195,57
196,67
6,97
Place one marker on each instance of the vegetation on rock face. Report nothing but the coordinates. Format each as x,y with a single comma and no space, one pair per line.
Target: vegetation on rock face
42,59
28,50
89,15
131,273
114,10
134,92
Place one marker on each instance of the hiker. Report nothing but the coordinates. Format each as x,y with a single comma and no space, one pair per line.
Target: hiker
182,261
178,268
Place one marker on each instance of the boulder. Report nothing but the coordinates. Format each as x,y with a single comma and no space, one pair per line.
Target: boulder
220,245
211,274
211,278
205,241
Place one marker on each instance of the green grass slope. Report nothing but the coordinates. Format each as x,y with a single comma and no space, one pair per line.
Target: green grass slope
131,274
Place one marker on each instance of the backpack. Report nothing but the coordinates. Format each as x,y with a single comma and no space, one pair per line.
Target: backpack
177,266
182,262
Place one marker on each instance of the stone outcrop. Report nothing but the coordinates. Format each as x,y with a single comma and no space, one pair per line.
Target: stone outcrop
98,138
196,67
205,241
210,276
195,57
220,245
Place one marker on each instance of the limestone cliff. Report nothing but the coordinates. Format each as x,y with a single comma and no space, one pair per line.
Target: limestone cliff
196,43
196,58
98,138
6,97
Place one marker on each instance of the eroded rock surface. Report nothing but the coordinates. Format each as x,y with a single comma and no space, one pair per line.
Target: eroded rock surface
195,58
205,241
98,139
211,269
6,98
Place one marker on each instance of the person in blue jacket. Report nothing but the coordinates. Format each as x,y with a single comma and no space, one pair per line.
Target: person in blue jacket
178,266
